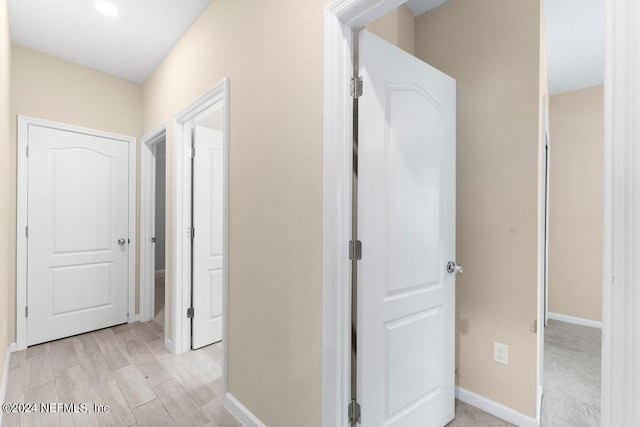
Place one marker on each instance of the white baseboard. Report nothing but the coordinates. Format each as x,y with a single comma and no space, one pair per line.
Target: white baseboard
169,346
5,375
238,410
575,320
539,404
495,408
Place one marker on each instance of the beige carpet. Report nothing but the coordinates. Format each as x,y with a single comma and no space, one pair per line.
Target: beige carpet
470,416
571,389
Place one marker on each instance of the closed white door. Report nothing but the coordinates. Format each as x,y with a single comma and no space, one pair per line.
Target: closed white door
406,223
208,213
78,214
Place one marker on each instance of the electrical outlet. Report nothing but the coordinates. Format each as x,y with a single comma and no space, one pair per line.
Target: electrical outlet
501,353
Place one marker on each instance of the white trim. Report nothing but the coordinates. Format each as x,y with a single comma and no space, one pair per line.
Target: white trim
5,376
239,411
621,300
21,241
496,409
169,345
574,320
181,288
147,220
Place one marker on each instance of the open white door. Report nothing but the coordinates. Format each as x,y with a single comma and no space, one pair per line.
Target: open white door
78,242
406,223
208,211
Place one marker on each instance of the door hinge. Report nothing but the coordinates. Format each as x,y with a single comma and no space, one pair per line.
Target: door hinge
356,87
26,311
354,412
191,232
355,250
190,312
192,152
26,231
27,151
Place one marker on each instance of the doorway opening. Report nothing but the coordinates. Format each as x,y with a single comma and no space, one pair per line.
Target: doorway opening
159,239
571,356
572,346
152,230
342,21
200,230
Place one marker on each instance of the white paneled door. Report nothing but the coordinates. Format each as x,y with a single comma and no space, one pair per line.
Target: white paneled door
208,199
406,222
78,243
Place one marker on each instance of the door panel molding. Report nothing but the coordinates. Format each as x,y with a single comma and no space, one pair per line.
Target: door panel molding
22,208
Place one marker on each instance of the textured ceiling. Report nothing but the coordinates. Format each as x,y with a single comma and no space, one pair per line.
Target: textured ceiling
575,43
130,45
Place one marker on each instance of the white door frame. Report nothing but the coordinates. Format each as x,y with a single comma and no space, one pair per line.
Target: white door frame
621,267
148,221
21,240
181,288
621,335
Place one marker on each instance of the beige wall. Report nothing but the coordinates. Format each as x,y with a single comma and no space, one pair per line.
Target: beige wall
575,203
543,109
398,27
492,49
5,71
272,54
49,88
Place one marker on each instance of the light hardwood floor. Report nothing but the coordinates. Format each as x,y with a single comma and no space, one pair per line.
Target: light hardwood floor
125,367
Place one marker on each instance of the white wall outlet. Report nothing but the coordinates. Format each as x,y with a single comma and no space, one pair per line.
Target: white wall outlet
501,353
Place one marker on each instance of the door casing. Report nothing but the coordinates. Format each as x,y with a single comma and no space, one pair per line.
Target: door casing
22,208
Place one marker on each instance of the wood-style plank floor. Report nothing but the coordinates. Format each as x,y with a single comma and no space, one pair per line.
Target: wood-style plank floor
125,367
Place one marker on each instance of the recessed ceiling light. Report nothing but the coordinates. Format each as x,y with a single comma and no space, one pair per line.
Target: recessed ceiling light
106,8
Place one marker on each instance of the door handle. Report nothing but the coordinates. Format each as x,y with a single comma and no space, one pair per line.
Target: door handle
121,242
452,267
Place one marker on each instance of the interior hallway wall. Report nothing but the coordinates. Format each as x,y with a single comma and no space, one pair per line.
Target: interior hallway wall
5,178
492,49
398,27
576,122
272,52
50,88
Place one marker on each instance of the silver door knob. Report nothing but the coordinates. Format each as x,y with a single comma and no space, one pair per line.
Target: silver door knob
452,267
121,242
